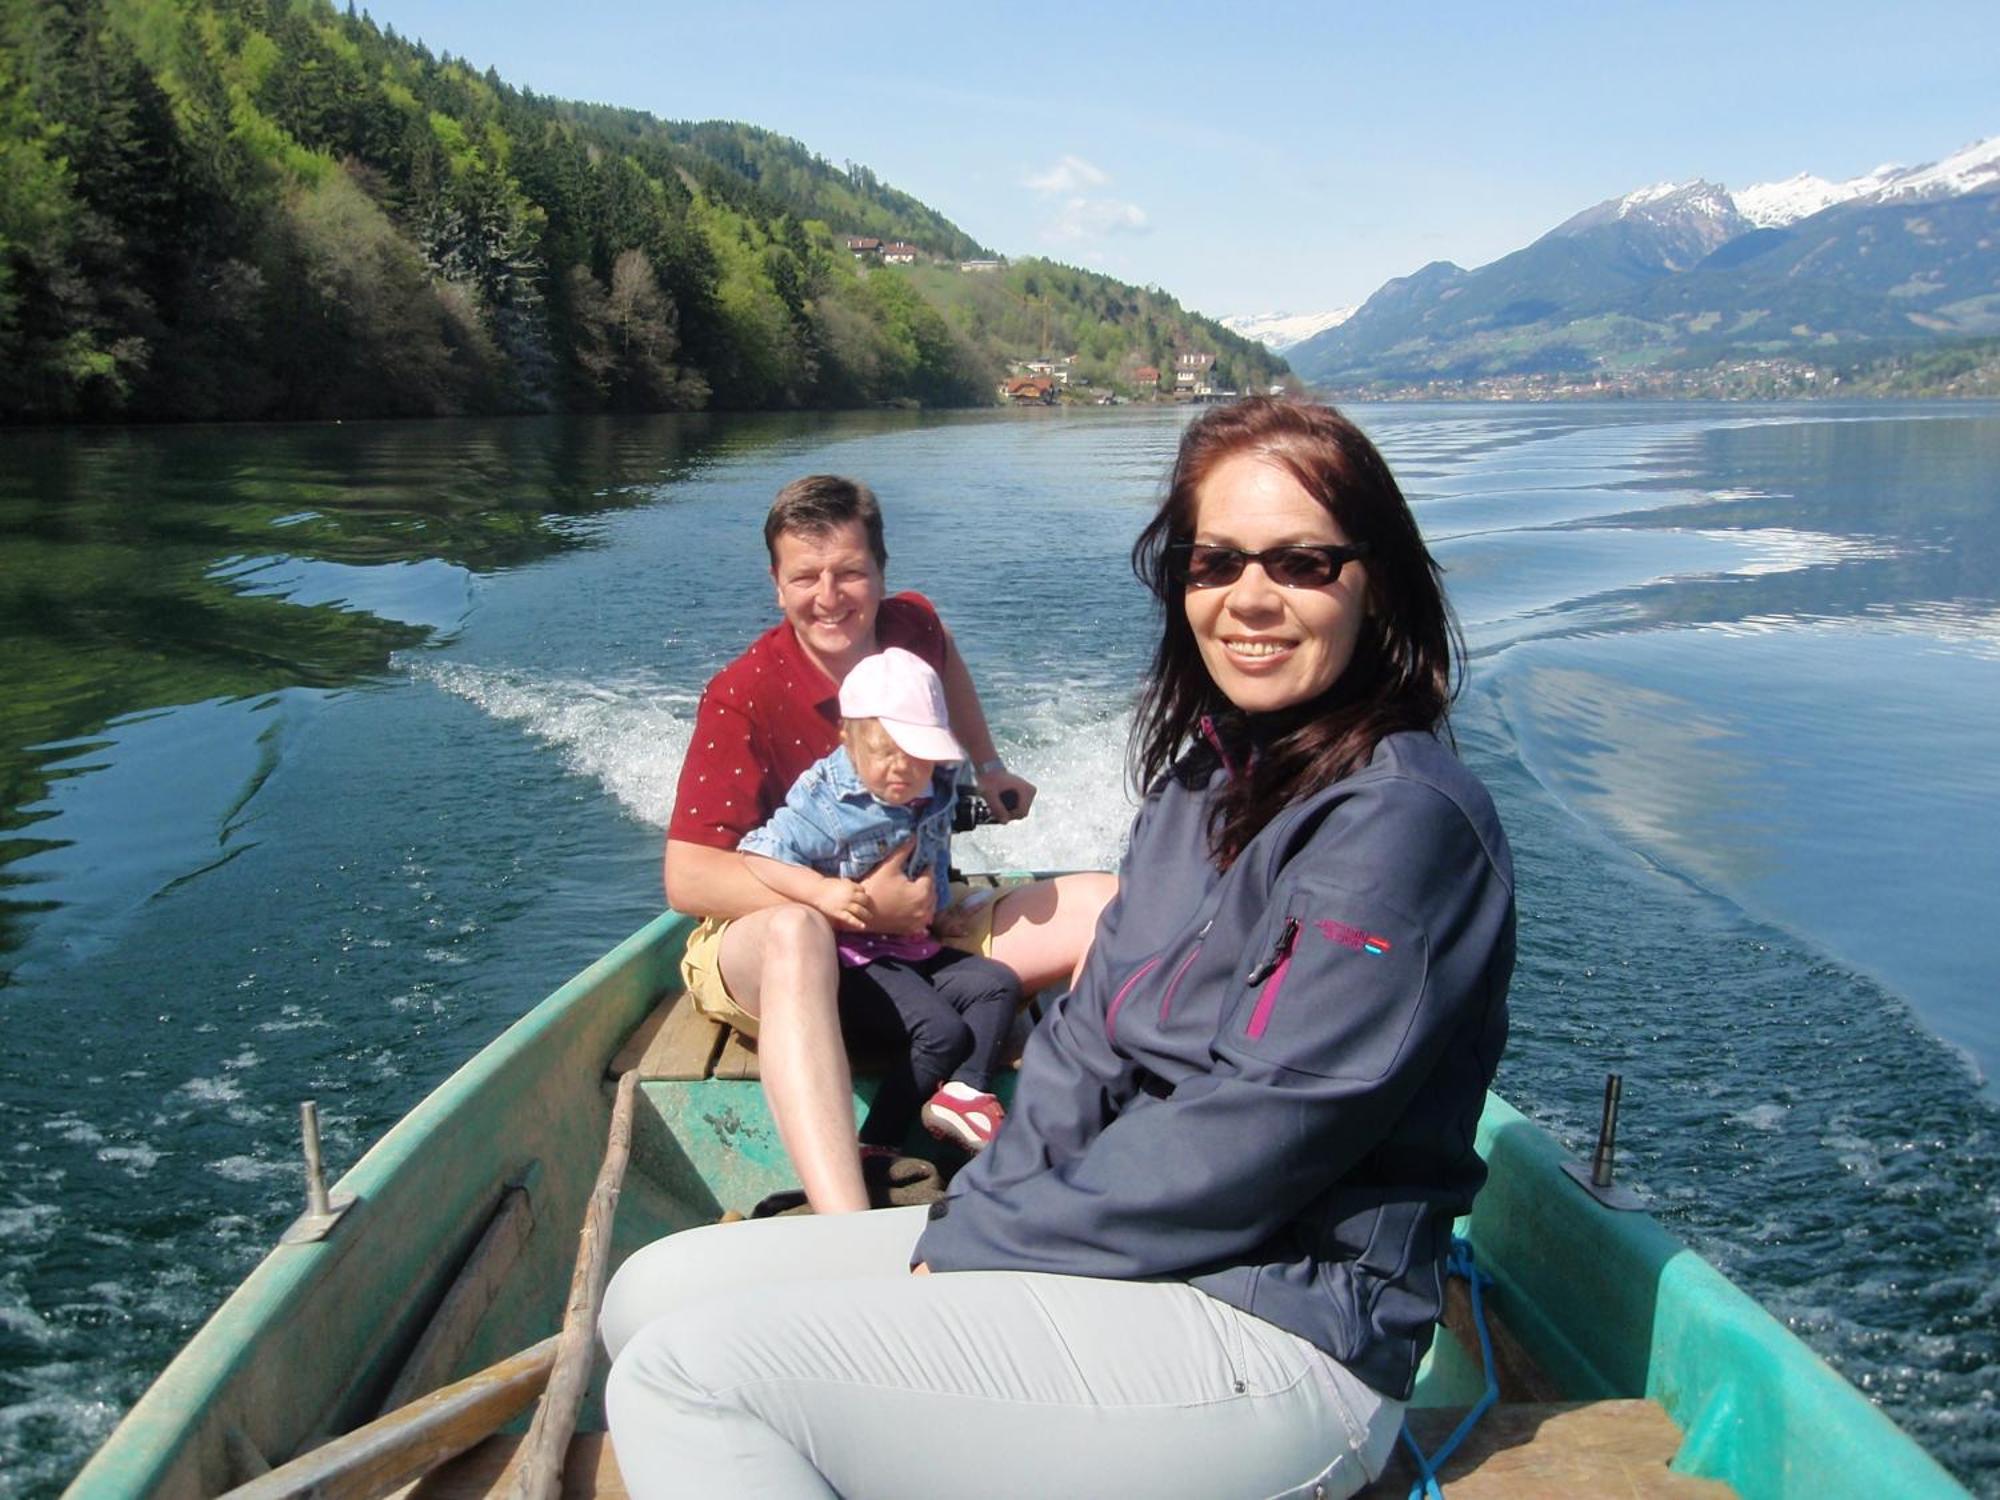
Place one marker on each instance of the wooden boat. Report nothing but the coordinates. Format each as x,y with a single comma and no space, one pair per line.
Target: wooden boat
1628,1364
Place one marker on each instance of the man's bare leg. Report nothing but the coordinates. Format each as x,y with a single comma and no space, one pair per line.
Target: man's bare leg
1042,931
779,964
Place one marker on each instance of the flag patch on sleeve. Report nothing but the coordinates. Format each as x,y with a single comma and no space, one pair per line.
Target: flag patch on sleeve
1352,937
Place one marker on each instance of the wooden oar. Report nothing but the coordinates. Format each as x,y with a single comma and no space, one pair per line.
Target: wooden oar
536,1473
409,1443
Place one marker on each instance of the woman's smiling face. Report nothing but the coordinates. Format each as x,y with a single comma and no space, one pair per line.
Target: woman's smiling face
1268,647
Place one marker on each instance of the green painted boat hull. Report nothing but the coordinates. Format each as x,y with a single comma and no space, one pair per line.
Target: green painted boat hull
1608,1303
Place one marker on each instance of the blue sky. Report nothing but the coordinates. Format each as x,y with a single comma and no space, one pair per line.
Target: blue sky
1281,156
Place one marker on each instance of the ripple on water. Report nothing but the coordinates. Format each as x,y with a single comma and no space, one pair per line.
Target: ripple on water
251,1168
1753,1068
212,1090
135,1161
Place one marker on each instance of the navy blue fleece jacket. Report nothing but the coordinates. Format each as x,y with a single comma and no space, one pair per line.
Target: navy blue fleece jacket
1267,1082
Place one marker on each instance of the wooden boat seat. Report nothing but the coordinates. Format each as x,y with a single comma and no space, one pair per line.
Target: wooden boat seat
674,1044
1517,1452
678,1044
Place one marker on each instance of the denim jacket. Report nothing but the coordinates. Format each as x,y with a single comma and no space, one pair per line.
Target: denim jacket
832,823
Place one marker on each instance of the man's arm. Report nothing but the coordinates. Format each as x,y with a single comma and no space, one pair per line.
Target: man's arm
968,722
706,882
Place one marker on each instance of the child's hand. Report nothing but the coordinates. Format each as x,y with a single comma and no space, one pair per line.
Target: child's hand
844,904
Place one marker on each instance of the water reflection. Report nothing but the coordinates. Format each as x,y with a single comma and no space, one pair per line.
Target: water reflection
1643,761
1928,485
145,569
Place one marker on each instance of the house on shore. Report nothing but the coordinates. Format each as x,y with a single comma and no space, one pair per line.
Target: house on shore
1191,373
1029,390
863,248
899,253
1058,369
982,267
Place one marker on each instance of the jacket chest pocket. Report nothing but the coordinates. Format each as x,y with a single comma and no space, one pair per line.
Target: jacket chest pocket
1168,1005
1334,986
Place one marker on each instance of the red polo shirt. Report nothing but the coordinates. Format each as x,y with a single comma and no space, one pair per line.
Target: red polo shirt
767,716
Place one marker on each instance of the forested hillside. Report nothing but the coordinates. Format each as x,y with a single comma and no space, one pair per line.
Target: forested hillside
270,208
1110,328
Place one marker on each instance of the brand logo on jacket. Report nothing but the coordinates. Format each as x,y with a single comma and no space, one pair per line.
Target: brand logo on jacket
1352,937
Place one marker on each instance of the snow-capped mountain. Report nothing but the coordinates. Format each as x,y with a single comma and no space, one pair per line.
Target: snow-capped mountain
1692,272
1671,225
1772,205
1279,331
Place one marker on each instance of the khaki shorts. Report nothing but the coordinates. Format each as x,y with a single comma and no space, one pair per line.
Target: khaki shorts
701,963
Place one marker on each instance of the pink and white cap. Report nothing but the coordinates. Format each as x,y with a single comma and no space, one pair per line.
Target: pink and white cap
899,688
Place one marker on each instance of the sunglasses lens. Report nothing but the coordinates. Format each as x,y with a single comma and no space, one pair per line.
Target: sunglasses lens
1288,567
1302,567
1211,567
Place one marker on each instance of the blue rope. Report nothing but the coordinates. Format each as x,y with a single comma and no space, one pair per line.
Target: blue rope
1458,1263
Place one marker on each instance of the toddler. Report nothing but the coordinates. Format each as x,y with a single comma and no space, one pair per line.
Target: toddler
893,781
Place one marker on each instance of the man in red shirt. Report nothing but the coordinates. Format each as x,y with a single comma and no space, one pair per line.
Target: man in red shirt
768,966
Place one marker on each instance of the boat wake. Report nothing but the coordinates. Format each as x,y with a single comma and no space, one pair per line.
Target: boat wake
630,738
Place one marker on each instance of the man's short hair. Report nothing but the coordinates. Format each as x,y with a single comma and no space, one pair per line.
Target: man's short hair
818,503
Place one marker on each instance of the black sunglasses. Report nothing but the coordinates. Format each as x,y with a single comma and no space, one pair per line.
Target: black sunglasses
1302,565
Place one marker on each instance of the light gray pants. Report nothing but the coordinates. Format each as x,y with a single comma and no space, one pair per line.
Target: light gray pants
798,1357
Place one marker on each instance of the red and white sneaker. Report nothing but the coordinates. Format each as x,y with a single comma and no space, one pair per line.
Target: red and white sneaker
959,1113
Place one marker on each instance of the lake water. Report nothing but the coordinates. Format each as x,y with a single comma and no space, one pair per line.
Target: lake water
325,752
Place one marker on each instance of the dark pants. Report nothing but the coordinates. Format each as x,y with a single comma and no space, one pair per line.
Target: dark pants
945,1017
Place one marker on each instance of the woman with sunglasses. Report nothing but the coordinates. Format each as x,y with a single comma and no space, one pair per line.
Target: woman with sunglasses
1205,1255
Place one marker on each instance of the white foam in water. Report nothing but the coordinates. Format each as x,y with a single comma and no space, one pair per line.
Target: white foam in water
212,1090
75,1129
1083,803
1769,1116
632,739
33,1222
136,1161
24,1322
629,739
250,1169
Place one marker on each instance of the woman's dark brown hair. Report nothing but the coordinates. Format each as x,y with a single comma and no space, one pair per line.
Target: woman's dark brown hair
1403,674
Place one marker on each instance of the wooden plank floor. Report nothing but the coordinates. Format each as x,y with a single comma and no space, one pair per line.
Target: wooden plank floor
1525,1452
1601,1450
589,1473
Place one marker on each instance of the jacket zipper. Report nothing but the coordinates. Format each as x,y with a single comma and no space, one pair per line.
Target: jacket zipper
1167,1000
1117,1000
1214,737
1271,974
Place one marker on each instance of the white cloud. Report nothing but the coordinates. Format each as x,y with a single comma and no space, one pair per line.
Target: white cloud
1080,213
1093,218
1071,175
